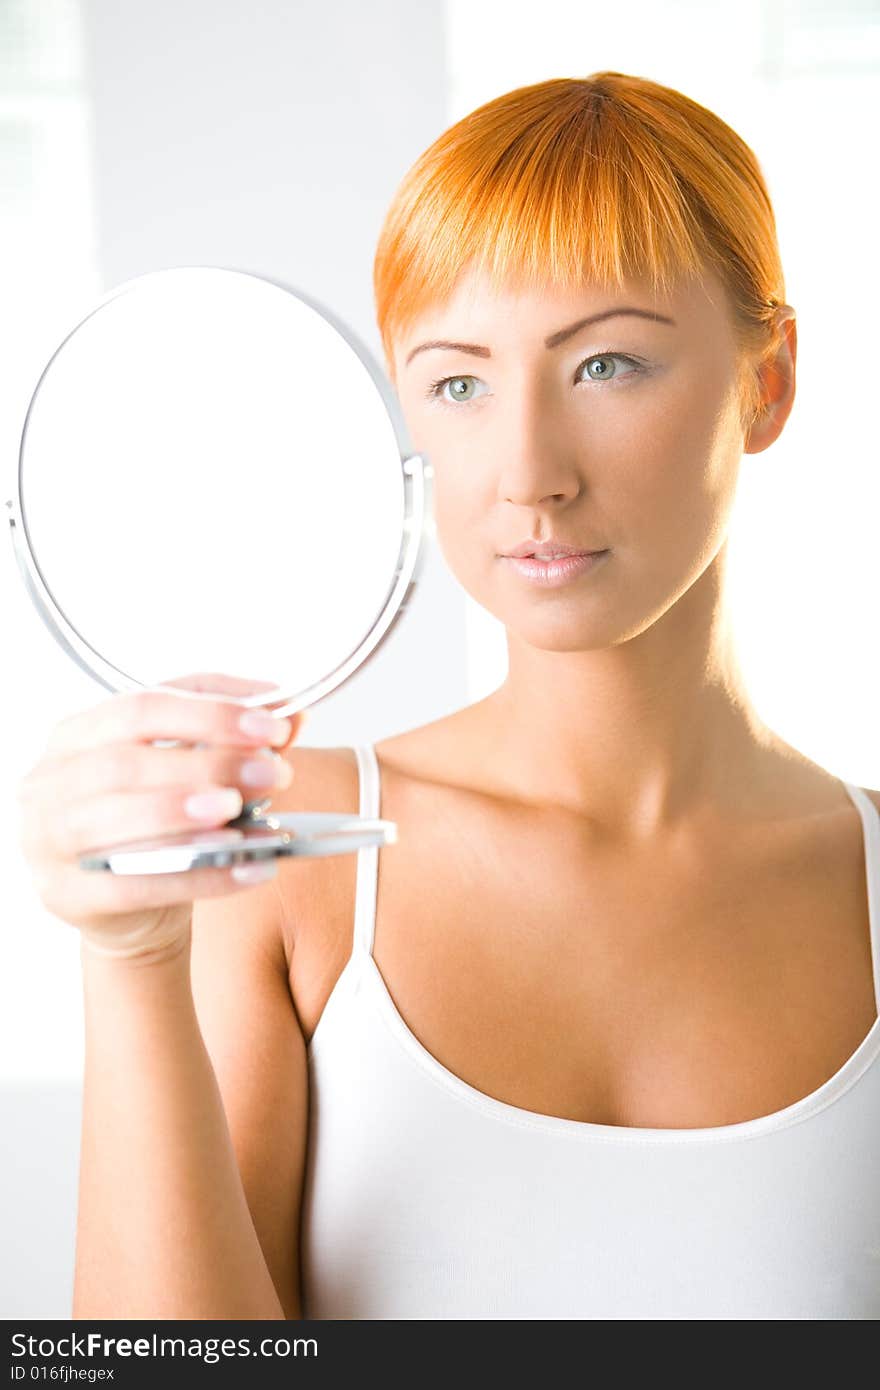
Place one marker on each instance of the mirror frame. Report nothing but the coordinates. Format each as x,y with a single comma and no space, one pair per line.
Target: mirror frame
418,522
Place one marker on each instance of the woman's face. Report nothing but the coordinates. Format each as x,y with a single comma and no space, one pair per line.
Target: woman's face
621,435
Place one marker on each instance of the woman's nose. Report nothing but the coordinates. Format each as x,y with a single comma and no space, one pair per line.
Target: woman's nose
537,466
536,455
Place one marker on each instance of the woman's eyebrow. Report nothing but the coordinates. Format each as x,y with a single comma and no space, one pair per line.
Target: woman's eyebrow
553,341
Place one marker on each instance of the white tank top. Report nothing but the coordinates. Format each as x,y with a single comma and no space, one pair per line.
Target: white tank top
425,1198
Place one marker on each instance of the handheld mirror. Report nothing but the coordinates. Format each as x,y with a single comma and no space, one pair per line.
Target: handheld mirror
214,476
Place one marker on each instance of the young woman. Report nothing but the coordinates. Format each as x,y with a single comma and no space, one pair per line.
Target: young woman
598,1037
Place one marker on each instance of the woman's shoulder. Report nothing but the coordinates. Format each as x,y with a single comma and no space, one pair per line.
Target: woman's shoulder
443,750
318,893
327,778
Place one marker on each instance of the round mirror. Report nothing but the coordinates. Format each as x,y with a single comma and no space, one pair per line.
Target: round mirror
214,476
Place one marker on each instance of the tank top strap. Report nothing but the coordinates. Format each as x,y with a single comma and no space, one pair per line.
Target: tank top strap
368,858
871,830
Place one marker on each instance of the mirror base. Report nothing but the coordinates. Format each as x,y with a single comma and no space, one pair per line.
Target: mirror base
309,835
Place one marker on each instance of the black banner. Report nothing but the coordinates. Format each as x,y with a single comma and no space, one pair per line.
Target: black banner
140,1353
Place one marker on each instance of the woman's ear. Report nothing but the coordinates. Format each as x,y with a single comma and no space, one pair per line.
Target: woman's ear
776,377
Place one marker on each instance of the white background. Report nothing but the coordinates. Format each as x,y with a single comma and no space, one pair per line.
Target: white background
272,136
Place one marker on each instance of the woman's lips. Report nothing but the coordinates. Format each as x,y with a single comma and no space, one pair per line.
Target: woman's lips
551,574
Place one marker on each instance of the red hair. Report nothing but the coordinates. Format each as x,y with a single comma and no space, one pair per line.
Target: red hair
588,178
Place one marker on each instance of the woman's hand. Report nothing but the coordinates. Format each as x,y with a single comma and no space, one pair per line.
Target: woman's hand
101,783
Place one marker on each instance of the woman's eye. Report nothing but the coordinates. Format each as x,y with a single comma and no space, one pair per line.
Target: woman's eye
602,368
455,383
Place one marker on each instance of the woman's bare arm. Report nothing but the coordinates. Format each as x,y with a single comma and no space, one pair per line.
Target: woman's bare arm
165,1228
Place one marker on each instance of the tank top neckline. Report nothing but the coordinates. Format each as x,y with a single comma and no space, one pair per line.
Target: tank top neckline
361,970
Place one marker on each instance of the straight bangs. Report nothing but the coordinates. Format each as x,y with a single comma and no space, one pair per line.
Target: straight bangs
583,180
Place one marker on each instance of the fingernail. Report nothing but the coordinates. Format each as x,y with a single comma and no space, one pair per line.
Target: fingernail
223,805
283,770
272,770
268,727
257,872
